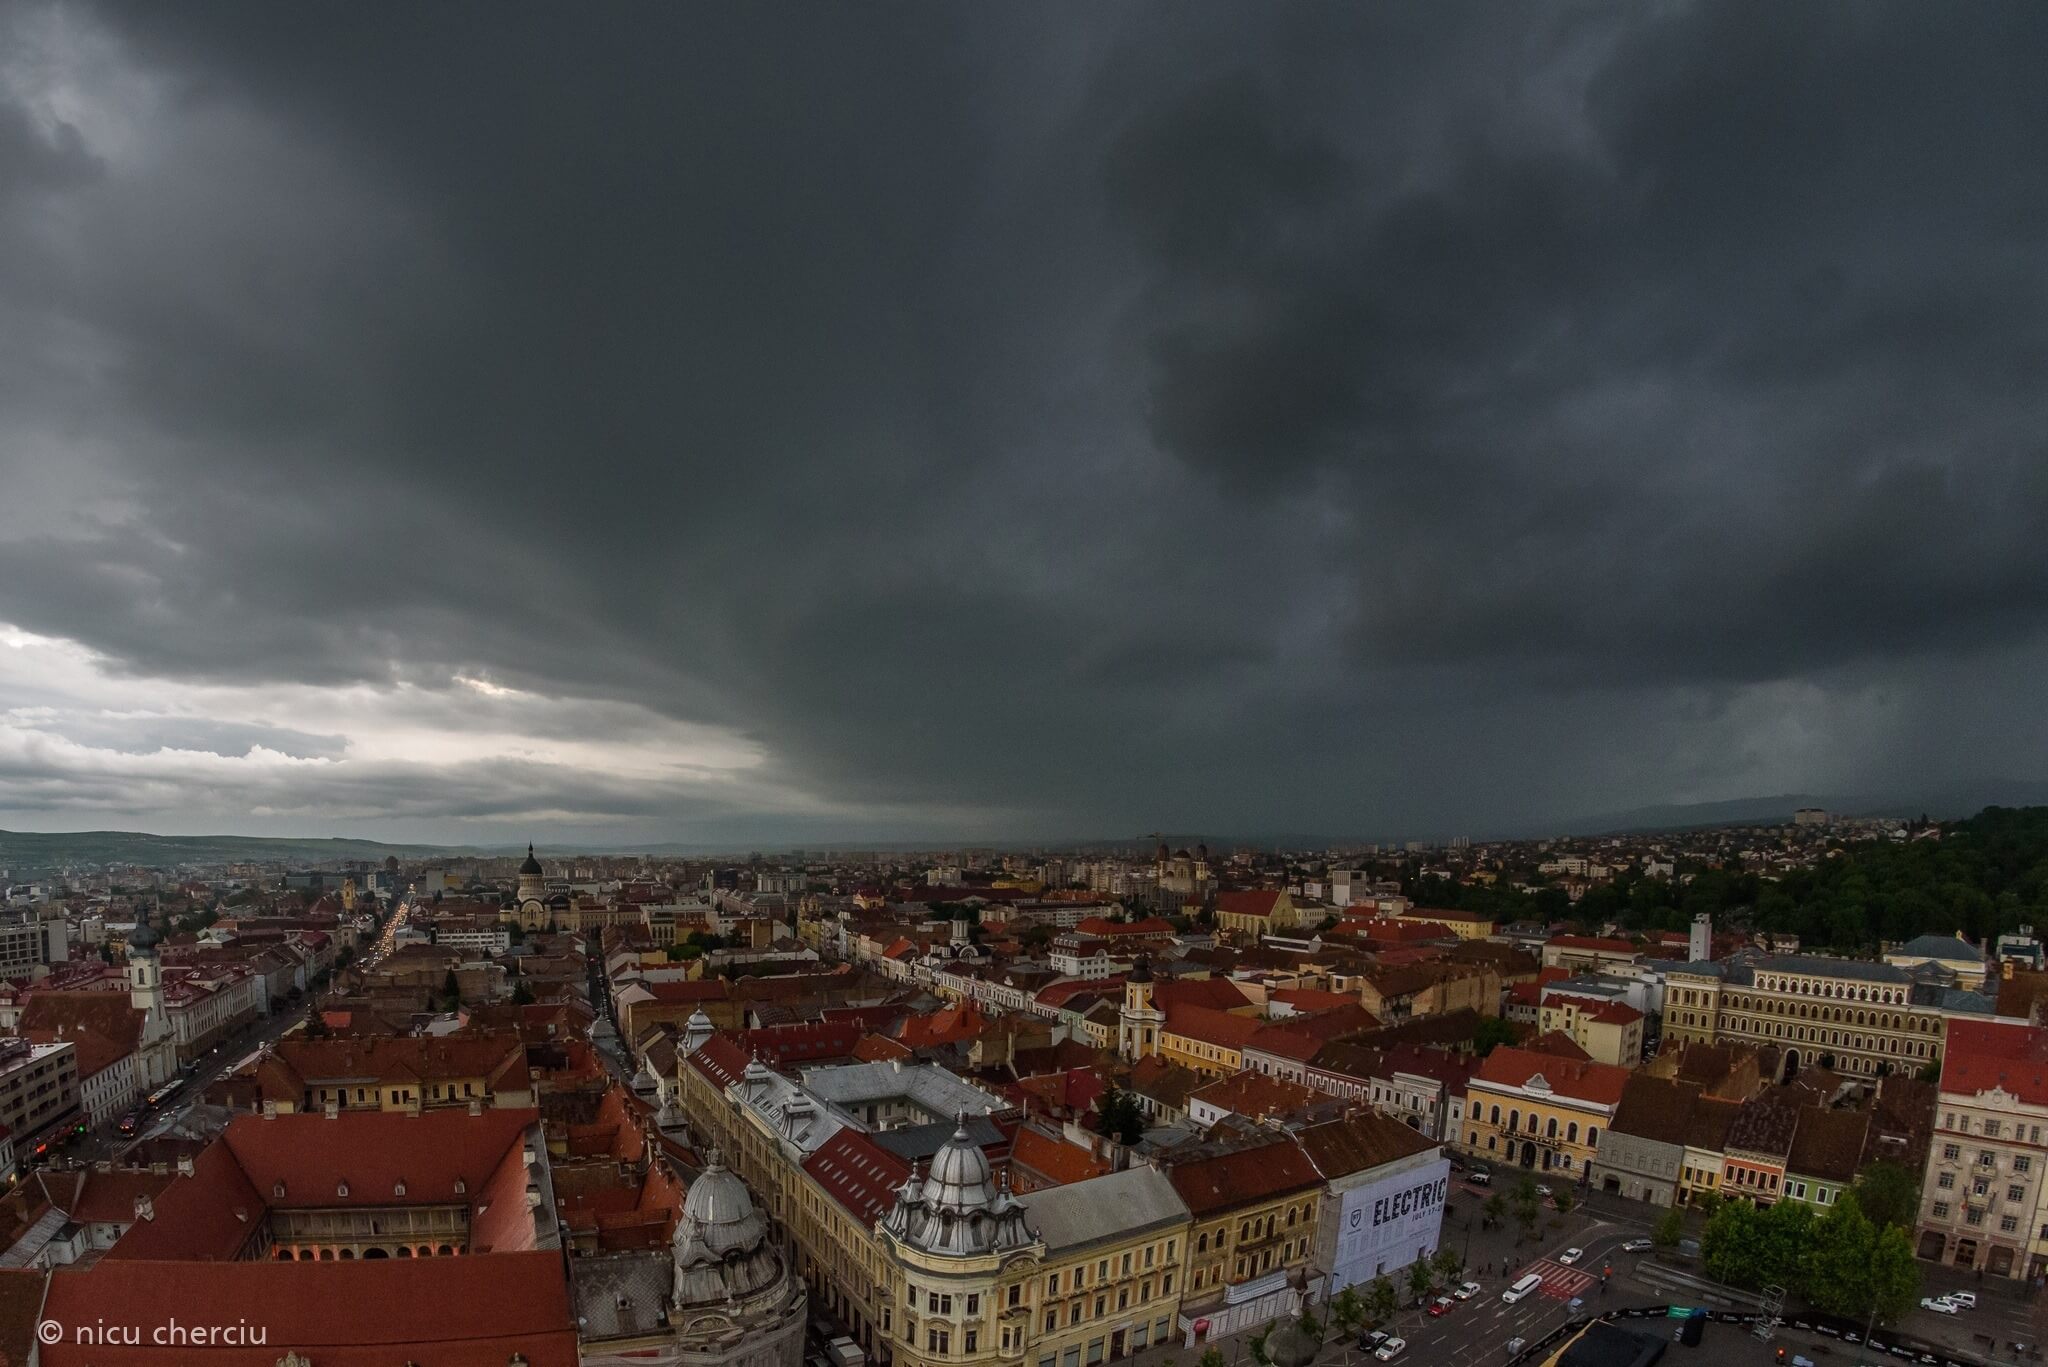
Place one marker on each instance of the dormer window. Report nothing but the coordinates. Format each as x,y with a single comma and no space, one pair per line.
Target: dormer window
341,1188
461,1187
399,1190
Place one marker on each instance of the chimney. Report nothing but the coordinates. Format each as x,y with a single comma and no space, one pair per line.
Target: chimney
332,1109
476,1105
145,1208
184,1165
269,1108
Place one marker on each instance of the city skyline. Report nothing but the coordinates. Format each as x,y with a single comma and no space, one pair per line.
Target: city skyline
951,425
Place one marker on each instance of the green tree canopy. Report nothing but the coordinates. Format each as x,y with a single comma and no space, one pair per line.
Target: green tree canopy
1889,1194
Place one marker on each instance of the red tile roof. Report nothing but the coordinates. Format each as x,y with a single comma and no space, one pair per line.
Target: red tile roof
1592,942
1225,1181
721,1061
806,1042
1151,925
1983,1055
1219,993
1211,1026
1509,1066
1257,902
1055,1160
448,1312
1254,1095
858,1173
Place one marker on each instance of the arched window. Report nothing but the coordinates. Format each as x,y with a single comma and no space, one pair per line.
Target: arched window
1495,1120
1571,1133
1551,1131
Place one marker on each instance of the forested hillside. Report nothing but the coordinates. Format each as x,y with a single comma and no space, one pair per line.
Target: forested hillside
1984,875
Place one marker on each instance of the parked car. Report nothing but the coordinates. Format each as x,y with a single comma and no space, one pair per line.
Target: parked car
1962,1300
1391,1349
1940,1305
1571,1255
1479,1179
1543,1191
1370,1342
1440,1307
1636,1246
1466,1291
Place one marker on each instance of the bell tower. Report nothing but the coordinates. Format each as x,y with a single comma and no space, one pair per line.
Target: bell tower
1139,1023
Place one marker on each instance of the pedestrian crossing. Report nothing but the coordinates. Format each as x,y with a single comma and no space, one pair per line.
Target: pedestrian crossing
1560,1282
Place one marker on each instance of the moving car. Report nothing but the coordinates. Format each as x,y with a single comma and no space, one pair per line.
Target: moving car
1940,1305
1571,1255
1369,1343
1636,1246
1440,1307
1542,1190
1391,1349
1521,1288
1466,1291
1962,1300
1479,1179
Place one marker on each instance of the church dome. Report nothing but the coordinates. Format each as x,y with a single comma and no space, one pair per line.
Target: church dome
531,868
143,937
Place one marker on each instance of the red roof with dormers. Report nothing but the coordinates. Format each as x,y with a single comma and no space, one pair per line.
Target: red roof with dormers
1985,1055
858,1173
1055,1160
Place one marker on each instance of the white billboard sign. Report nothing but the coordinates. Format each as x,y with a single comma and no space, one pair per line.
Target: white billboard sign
1388,1224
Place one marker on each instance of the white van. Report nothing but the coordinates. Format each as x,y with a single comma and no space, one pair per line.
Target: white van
1521,1288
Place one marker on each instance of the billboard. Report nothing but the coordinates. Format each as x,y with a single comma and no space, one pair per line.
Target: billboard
1388,1224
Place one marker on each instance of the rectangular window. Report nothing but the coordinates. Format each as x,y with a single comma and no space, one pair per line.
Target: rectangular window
1166,1285
972,1336
1074,1313
2024,1163
1947,1181
1052,1285
2008,1224
974,1303
1052,1320
1071,1358
1941,1210
1951,1152
1016,1293
2015,1193
1094,1352
1101,1304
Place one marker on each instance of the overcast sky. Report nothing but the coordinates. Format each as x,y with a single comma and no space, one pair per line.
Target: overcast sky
783,423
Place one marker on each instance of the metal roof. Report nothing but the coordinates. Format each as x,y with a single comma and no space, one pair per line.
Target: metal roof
1115,1206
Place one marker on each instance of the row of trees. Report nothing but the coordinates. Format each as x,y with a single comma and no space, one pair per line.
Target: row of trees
1840,1261
1376,1302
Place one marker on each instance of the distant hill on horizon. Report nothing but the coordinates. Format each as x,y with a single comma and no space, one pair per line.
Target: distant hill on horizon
45,850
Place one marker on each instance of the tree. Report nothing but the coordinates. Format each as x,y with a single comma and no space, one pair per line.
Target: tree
1448,1263
1562,1199
1381,1301
1894,1276
1212,1358
1491,1032
522,995
1420,1278
1258,1347
1888,1194
1347,1308
1118,1116
1728,1245
451,991
1836,1270
1670,1229
1496,1206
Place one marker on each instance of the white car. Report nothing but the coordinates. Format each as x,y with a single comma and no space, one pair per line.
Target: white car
1467,1291
1940,1305
1391,1349
1962,1300
1636,1246
1542,1191
1571,1255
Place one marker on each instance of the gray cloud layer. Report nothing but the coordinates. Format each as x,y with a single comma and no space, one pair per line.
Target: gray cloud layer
1045,420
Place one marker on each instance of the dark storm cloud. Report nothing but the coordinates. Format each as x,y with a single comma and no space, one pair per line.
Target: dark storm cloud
1049,419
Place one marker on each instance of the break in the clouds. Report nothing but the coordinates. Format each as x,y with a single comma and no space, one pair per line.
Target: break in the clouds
740,422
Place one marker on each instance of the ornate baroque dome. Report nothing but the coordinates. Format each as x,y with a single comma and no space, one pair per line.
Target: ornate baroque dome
958,1208
721,1246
